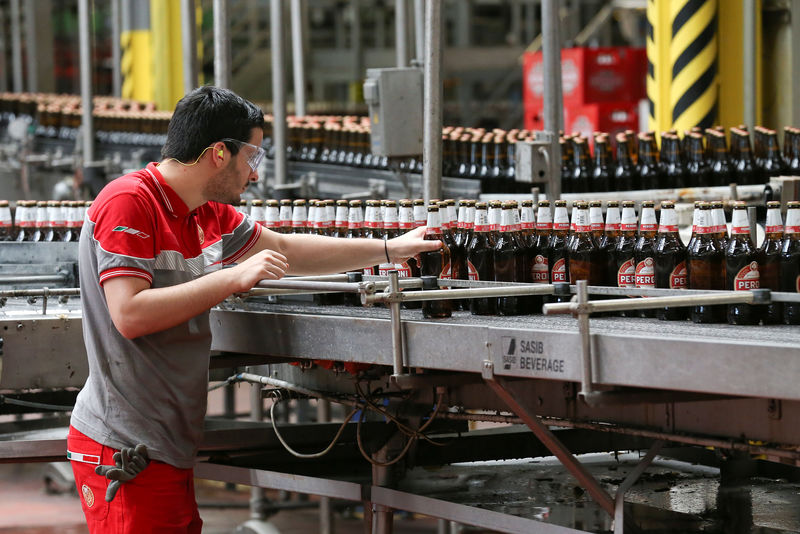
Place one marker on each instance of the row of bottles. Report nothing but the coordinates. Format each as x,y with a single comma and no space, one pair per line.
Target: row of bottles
42,221
509,242
698,159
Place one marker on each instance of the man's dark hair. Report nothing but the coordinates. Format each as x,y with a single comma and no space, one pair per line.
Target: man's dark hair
206,115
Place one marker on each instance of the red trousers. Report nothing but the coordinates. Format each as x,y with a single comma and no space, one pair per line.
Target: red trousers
160,500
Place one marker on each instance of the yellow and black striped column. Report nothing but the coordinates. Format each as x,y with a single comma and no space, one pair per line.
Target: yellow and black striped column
682,50
694,87
136,41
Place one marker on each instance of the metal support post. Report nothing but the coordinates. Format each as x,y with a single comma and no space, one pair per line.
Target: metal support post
31,56
3,52
548,439
189,44
419,30
90,173
298,57
116,52
586,341
749,54
222,45
553,107
258,498
16,47
432,103
356,49
401,32
630,480
397,325
278,91
795,11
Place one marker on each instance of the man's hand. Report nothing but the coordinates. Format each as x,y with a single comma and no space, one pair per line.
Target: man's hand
263,265
128,463
410,244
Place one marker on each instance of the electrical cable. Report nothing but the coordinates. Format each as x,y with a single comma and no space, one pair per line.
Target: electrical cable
312,455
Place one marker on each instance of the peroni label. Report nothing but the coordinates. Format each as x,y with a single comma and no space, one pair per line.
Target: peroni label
646,273
677,278
560,271
626,275
747,278
539,272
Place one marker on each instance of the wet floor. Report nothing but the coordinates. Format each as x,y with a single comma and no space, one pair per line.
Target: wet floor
671,497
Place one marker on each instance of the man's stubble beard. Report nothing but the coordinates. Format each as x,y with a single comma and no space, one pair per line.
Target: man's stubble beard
219,188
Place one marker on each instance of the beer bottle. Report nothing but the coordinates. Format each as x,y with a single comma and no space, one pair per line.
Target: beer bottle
40,221
242,207
391,229
527,223
340,218
721,169
608,242
355,220
673,169
70,233
566,165
469,224
507,256
741,266
772,165
452,219
462,171
444,222
510,171
257,211
706,264
625,261
644,252
495,209
53,226
790,262
540,274
6,223
272,215
299,217
573,219
461,224
745,169
670,261
769,262
486,159
285,216
601,173
435,263
480,260
373,228
793,165
697,171
720,226
420,213
596,220
329,218
582,166
649,172
558,257
584,255
474,168
625,174
405,216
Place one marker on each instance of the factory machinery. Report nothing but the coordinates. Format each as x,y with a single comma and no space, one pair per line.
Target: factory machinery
410,387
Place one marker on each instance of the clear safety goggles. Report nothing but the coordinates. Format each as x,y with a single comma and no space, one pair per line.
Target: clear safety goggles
256,155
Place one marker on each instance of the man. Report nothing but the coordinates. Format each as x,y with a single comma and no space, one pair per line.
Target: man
151,259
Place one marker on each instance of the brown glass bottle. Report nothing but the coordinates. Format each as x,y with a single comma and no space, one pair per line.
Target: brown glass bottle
648,168
340,219
644,252
706,267
435,263
697,171
672,166
720,169
540,273
769,262
582,166
527,223
507,255
608,242
772,165
741,267
558,257
480,259
601,171
585,262
6,222
670,258
745,169
624,257
299,217
790,262
625,174
720,225
566,165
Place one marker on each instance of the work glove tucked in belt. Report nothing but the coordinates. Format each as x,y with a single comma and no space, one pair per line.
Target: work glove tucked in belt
128,462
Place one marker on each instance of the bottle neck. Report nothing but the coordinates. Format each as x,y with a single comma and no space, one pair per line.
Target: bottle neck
649,223
628,223
793,221
669,221
740,225
774,222
560,219
612,219
482,221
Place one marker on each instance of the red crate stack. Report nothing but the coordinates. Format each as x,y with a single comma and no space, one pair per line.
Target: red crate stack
596,83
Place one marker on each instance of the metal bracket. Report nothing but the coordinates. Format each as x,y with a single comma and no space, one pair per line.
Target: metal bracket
533,159
548,439
630,480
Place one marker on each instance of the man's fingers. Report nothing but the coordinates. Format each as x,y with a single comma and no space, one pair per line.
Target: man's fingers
103,470
141,452
111,491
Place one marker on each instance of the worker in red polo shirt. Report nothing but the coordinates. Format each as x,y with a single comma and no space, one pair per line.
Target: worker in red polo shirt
151,259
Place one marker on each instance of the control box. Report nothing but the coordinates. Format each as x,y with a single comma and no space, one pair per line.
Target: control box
394,97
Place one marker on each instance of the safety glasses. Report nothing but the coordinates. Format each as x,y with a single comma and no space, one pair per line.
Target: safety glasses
255,156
